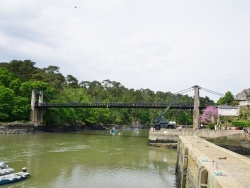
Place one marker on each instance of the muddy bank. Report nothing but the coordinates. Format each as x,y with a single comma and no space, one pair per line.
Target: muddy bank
164,145
28,127
17,128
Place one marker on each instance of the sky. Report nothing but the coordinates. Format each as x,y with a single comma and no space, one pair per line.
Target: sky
161,45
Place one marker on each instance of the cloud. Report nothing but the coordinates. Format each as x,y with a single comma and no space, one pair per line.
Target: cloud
160,45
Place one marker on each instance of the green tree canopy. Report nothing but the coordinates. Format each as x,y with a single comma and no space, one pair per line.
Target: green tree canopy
6,77
6,103
24,70
27,87
227,99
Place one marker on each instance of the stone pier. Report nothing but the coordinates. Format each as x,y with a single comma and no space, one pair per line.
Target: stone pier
172,135
36,115
201,164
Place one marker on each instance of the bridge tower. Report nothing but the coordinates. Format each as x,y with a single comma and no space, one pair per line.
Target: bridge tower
196,111
36,114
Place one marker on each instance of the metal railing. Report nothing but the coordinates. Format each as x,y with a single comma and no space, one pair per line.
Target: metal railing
113,105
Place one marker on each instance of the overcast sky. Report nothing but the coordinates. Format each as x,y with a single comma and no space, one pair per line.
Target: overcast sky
162,45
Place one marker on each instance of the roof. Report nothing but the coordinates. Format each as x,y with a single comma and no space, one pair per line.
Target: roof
227,107
244,95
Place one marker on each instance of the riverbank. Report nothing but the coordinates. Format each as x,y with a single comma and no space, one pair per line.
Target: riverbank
25,128
28,127
17,128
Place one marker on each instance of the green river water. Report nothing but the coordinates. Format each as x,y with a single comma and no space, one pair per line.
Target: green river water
93,159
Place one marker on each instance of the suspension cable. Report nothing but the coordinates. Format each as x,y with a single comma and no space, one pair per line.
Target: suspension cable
212,92
192,88
185,90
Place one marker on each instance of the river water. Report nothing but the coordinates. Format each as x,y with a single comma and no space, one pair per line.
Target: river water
93,159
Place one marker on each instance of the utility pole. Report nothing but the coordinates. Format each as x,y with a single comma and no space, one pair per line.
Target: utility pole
196,112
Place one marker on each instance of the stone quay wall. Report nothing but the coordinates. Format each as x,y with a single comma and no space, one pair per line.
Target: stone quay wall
172,135
234,140
203,164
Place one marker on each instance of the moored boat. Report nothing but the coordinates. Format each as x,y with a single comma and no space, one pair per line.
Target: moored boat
14,177
7,174
5,169
113,131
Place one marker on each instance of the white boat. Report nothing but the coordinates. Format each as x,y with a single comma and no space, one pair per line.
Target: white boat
7,174
5,169
136,129
14,177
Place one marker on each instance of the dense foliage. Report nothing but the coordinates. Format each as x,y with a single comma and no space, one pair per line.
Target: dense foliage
18,78
244,118
241,123
228,99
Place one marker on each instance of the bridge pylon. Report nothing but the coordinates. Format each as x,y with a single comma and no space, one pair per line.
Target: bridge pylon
36,114
196,111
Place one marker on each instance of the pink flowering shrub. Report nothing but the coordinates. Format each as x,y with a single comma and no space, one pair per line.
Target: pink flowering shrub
210,114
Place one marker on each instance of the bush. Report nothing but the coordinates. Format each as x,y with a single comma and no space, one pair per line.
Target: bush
211,126
241,123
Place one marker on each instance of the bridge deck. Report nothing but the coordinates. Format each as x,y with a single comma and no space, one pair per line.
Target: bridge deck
113,105
234,167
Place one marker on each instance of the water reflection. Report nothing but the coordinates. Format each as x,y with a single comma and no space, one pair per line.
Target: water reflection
164,163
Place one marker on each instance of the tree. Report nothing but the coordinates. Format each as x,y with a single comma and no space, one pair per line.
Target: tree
27,87
20,109
52,76
6,100
210,114
206,101
6,77
72,81
24,70
15,84
227,99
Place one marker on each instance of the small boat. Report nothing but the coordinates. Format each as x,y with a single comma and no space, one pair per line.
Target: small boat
112,131
136,130
5,169
7,174
14,177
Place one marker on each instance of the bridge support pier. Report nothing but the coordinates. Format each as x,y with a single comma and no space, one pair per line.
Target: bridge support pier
36,115
196,111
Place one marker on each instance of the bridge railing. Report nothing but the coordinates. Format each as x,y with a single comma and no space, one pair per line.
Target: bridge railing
113,105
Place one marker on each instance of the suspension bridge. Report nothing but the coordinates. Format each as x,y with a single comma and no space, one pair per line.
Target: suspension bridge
37,107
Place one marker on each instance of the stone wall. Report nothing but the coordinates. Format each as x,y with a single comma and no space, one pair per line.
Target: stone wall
234,140
198,165
172,135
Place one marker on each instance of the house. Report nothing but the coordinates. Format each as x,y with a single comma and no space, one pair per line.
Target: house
243,97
